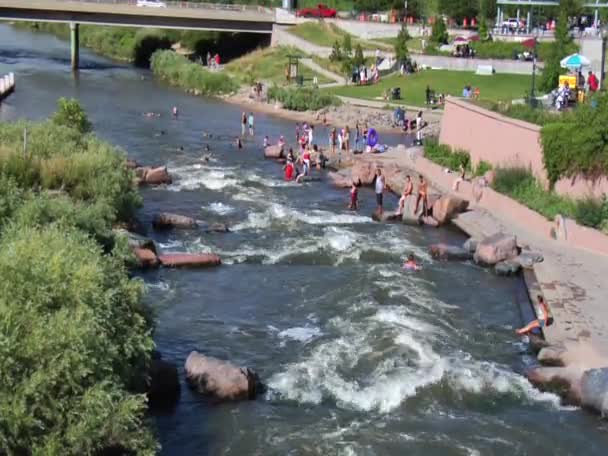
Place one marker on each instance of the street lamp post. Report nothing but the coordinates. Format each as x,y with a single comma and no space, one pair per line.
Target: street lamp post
533,88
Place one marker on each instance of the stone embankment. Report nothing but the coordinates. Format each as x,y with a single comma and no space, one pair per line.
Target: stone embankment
573,351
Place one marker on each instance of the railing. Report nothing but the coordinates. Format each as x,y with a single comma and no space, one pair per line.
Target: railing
193,5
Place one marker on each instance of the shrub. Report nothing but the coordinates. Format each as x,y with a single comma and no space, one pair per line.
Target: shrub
74,338
70,114
482,168
592,212
179,71
401,52
302,99
443,155
439,32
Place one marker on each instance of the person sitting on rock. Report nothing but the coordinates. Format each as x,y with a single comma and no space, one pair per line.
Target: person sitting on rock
408,190
544,319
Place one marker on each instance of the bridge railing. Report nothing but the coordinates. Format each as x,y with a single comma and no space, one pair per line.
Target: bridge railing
194,5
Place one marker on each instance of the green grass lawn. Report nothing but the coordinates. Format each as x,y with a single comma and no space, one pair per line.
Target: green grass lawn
414,44
323,34
499,87
269,64
335,67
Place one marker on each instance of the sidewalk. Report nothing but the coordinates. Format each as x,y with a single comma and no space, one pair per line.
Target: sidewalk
338,80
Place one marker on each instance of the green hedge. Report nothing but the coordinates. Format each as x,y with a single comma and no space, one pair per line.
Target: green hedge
444,155
302,99
179,71
75,339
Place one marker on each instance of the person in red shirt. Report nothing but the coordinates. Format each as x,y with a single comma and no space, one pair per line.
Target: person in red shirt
593,82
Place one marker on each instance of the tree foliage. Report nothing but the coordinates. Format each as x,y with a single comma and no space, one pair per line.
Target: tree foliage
559,49
401,52
459,9
70,114
75,339
439,32
358,58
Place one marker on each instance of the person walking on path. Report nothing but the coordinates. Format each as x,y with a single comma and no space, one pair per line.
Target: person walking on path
250,122
593,82
408,190
243,124
379,186
422,196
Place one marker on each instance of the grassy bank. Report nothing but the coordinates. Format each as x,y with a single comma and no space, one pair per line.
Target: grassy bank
75,338
301,99
268,65
177,70
493,88
522,186
324,34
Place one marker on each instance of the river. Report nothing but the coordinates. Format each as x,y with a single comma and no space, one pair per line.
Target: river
359,357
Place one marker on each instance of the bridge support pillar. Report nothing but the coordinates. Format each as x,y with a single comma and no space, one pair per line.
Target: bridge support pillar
75,46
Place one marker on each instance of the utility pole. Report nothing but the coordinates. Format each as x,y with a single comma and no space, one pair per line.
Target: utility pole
533,88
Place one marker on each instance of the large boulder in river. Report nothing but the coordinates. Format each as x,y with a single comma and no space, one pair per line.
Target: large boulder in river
447,207
274,151
340,179
221,379
450,252
507,267
146,258
136,240
409,217
496,248
565,381
189,260
166,220
153,176
594,390
364,171
215,227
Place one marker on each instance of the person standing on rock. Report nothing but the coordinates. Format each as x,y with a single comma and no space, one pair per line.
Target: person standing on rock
423,189
379,186
333,140
544,318
311,131
357,135
297,132
250,122
408,190
346,139
243,124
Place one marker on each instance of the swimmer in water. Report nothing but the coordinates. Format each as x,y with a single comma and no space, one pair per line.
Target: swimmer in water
160,133
411,263
175,112
266,141
238,143
206,148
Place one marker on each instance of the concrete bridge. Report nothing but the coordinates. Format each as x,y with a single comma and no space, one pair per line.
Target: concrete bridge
177,15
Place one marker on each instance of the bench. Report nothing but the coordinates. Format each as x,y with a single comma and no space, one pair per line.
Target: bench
485,70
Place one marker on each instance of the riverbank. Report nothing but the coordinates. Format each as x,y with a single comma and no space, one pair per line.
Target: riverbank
571,277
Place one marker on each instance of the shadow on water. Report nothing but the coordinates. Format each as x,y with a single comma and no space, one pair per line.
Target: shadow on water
18,56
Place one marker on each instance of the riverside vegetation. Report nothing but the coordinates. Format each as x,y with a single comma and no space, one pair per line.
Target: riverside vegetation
75,338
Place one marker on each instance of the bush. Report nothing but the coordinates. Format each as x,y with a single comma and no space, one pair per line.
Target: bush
179,71
302,99
439,32
443,155
74,338
482,168
70,114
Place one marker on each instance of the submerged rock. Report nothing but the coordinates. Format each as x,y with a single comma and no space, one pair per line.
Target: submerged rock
386,217
193,260
340,179
564,381
449,252
470,245
529,259
146,258
215,228
594,390
496,248
153,176
507,267
446,207
166,220
221,379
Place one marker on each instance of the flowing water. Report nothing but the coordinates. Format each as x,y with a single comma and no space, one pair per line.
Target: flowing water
359,357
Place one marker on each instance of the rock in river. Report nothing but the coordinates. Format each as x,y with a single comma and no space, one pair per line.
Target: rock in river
221,379
163,382
153,176
146,258
274,152
166,220
594,390
496,248
450,252
447,207
192,260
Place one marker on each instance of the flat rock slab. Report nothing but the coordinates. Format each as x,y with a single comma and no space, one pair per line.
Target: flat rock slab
189,260
166,220
496,248
386,217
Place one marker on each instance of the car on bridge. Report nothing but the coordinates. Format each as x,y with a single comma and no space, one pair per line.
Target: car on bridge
151,3
320,11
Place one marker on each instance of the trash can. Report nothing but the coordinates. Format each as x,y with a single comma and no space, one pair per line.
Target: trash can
396,93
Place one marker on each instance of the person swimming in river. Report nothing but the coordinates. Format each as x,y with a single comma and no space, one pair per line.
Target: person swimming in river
354,196
150,114
411,263
544,318
238,143
174,112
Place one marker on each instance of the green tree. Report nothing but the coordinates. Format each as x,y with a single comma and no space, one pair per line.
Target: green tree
336,52
358,59
459,9
401,52
559,49
71,114
484,35
439,32
347,46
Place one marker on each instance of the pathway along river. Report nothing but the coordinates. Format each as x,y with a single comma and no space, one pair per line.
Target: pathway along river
360,358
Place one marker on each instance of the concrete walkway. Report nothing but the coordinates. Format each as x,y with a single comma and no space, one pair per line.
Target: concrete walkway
573,280
339,80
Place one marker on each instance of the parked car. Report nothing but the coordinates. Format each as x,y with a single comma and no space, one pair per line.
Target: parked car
320,11
513,24
151,3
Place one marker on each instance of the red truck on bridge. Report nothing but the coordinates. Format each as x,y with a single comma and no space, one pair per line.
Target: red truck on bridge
320,11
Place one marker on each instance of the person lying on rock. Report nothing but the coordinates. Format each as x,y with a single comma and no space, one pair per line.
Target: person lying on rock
544,319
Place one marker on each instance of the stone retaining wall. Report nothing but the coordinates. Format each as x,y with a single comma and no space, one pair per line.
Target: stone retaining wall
506,142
